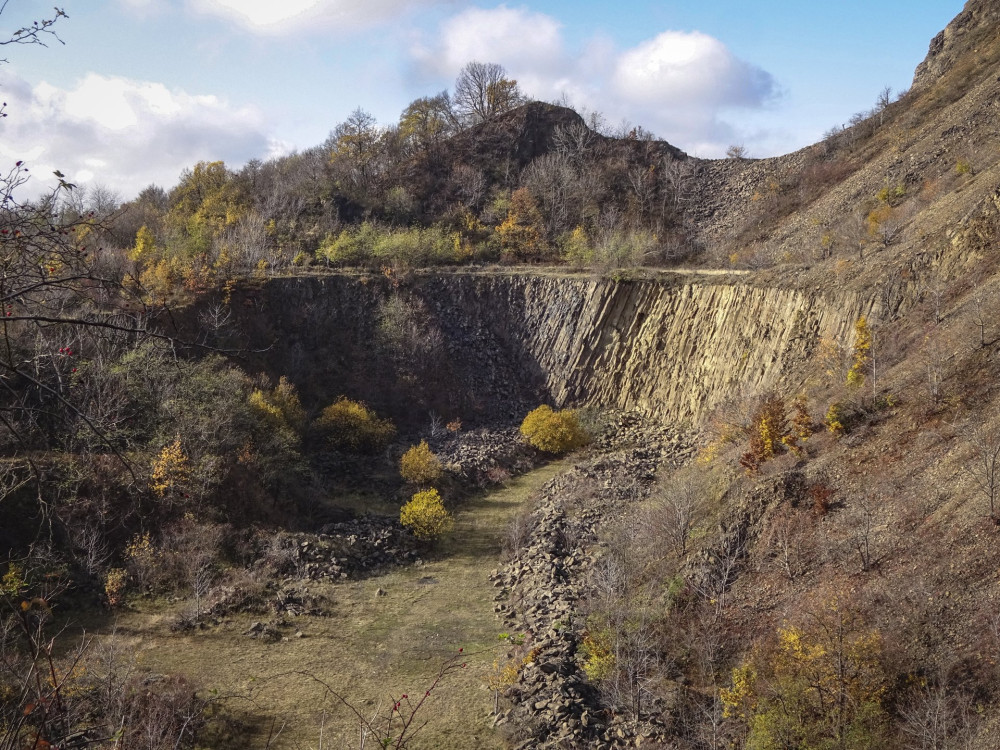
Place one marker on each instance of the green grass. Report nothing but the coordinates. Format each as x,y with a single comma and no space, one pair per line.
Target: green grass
371,649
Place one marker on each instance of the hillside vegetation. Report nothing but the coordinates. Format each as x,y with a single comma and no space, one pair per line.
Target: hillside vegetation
779,377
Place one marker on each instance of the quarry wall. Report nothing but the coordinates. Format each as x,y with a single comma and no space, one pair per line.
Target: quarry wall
672,347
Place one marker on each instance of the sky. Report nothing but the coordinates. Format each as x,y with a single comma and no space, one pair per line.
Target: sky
138,90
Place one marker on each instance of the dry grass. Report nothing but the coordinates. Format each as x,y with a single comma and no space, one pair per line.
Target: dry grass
372,648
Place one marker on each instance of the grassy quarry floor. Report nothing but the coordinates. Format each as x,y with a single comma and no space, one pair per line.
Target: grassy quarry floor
372,648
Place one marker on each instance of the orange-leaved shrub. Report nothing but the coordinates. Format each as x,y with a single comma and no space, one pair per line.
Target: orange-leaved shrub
769,433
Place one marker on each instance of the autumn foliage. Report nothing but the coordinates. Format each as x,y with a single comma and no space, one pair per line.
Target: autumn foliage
171,470
819,685
862,352
769,433
553,431
426,516
352,427
419,465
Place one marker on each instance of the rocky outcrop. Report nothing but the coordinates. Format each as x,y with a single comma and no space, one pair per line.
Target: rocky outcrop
977,20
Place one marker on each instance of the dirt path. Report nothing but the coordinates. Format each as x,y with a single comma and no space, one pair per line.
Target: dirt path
387,635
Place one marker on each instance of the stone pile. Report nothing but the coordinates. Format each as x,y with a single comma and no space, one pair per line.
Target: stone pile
483,457
540,588
339,551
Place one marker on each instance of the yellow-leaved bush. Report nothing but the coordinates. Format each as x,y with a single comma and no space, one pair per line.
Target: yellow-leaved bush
353,427
419,465
553,431
426,516
171,469
818,686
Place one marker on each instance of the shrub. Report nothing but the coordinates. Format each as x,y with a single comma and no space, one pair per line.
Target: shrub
802,422
834,419
769,433
352,427
862,352
352,247
892,195
419,465
281,408
553,431
426,516
599,655
115,583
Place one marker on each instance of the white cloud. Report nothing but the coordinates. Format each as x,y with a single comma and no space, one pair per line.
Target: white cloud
691,67
290,16
123,133
500,34
684,86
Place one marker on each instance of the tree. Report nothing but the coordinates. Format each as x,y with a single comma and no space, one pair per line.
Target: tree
984,464
560,192
680,509
483,91
427,121
171,470
34,33
356,156
862,356
769,433
205,202
820,685
521,233
882,103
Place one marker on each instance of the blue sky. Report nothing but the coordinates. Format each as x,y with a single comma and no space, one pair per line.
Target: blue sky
143,88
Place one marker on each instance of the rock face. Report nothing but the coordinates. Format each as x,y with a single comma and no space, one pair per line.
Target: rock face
671,348
969,28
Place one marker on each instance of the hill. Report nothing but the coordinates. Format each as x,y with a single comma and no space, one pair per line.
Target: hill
781,535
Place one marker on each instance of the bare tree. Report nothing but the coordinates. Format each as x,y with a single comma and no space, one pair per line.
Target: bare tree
680,510
470,184
37,32
483,91
984,464
935,719
980,317
247,242
790,543
636,660
555,183
573,140
721,570
864,539
882,103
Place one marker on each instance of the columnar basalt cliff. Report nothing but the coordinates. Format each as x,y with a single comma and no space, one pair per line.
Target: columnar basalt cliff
672,347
